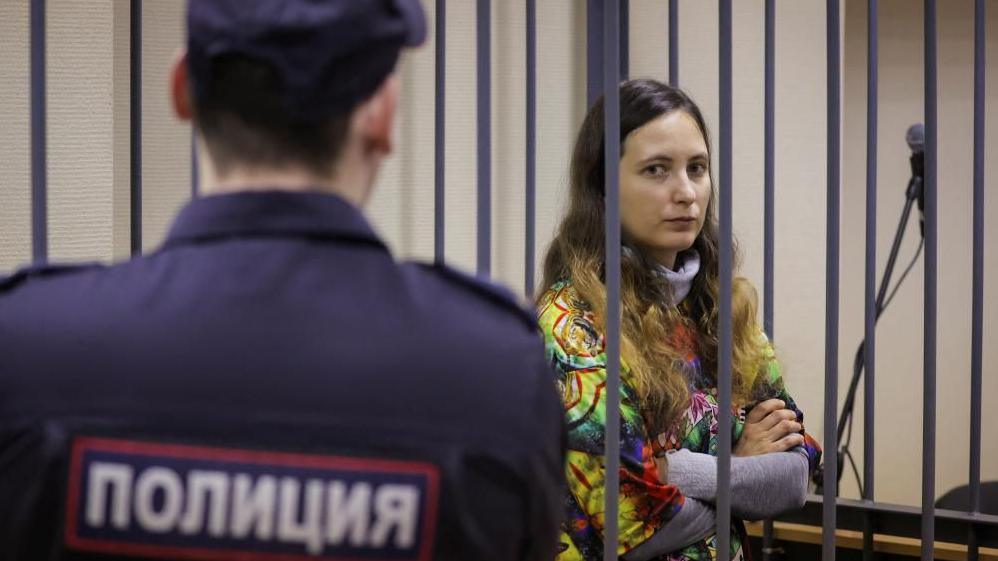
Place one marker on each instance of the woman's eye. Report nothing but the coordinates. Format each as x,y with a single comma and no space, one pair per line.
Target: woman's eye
698,169
657,170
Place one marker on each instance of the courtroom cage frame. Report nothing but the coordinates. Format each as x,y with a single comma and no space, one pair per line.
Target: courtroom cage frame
606,64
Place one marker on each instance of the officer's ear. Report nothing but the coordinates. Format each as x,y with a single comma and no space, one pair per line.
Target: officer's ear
375,118
180,91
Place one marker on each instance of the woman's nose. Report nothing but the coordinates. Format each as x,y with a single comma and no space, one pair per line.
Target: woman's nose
683,191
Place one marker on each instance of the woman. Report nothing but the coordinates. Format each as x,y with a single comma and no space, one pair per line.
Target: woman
669,295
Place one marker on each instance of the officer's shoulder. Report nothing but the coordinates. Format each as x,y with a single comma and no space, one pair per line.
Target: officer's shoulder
26,275
496,297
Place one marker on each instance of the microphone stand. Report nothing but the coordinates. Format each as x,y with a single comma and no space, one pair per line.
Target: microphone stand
912,194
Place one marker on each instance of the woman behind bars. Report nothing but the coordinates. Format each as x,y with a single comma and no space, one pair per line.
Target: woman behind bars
669,297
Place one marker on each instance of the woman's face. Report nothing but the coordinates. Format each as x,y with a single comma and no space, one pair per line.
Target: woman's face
664,186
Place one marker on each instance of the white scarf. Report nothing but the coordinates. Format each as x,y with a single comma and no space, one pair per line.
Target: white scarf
681,279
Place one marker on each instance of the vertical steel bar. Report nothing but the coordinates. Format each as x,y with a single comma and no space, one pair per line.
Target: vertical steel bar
831,278
135,103
769,206
611,156
39,172
484,52
931,240
625,38
727,256
440,35
674,43
977,321
594,50
869,336
531,171
767,540
769,172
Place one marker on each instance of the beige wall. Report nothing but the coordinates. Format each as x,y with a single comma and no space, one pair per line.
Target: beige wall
166,145
88,129
89,169
402,208
81,114
15,136
899,343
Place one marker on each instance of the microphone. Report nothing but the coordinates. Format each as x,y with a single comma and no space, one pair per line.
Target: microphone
916,141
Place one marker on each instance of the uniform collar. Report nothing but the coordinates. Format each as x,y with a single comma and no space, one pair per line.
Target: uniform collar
271,214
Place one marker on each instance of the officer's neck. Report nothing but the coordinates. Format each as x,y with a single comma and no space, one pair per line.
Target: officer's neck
349,184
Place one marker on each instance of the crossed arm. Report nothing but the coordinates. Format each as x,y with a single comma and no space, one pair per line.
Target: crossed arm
769,475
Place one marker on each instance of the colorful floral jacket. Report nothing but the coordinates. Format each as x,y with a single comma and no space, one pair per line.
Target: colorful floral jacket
575,347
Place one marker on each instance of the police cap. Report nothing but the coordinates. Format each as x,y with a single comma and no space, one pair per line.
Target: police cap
330,54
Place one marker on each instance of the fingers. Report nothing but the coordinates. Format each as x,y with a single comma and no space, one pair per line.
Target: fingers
787,442
782,429
763,409
777,417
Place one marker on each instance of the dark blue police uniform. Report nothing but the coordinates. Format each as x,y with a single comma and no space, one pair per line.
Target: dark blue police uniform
271,385
272,341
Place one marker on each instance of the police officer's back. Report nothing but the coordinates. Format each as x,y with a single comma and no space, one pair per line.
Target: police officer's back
270,385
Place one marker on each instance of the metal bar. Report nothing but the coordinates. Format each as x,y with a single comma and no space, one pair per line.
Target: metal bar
484,51
931,261
905,520
769,173
869,336
135,104
831,277
769,207
531,171
39,171
611,156
727,255
625,38
899,520
767,540
594,50
868,531
439,129
595,23
674,43
977,307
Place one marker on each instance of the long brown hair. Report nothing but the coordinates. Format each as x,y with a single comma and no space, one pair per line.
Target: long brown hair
650,317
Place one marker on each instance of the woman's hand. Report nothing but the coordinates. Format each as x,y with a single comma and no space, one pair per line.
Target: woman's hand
769,427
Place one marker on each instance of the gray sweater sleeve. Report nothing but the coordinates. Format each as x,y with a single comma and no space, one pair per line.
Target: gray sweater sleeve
761,486
694,522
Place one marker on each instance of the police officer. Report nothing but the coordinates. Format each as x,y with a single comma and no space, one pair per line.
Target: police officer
270,384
